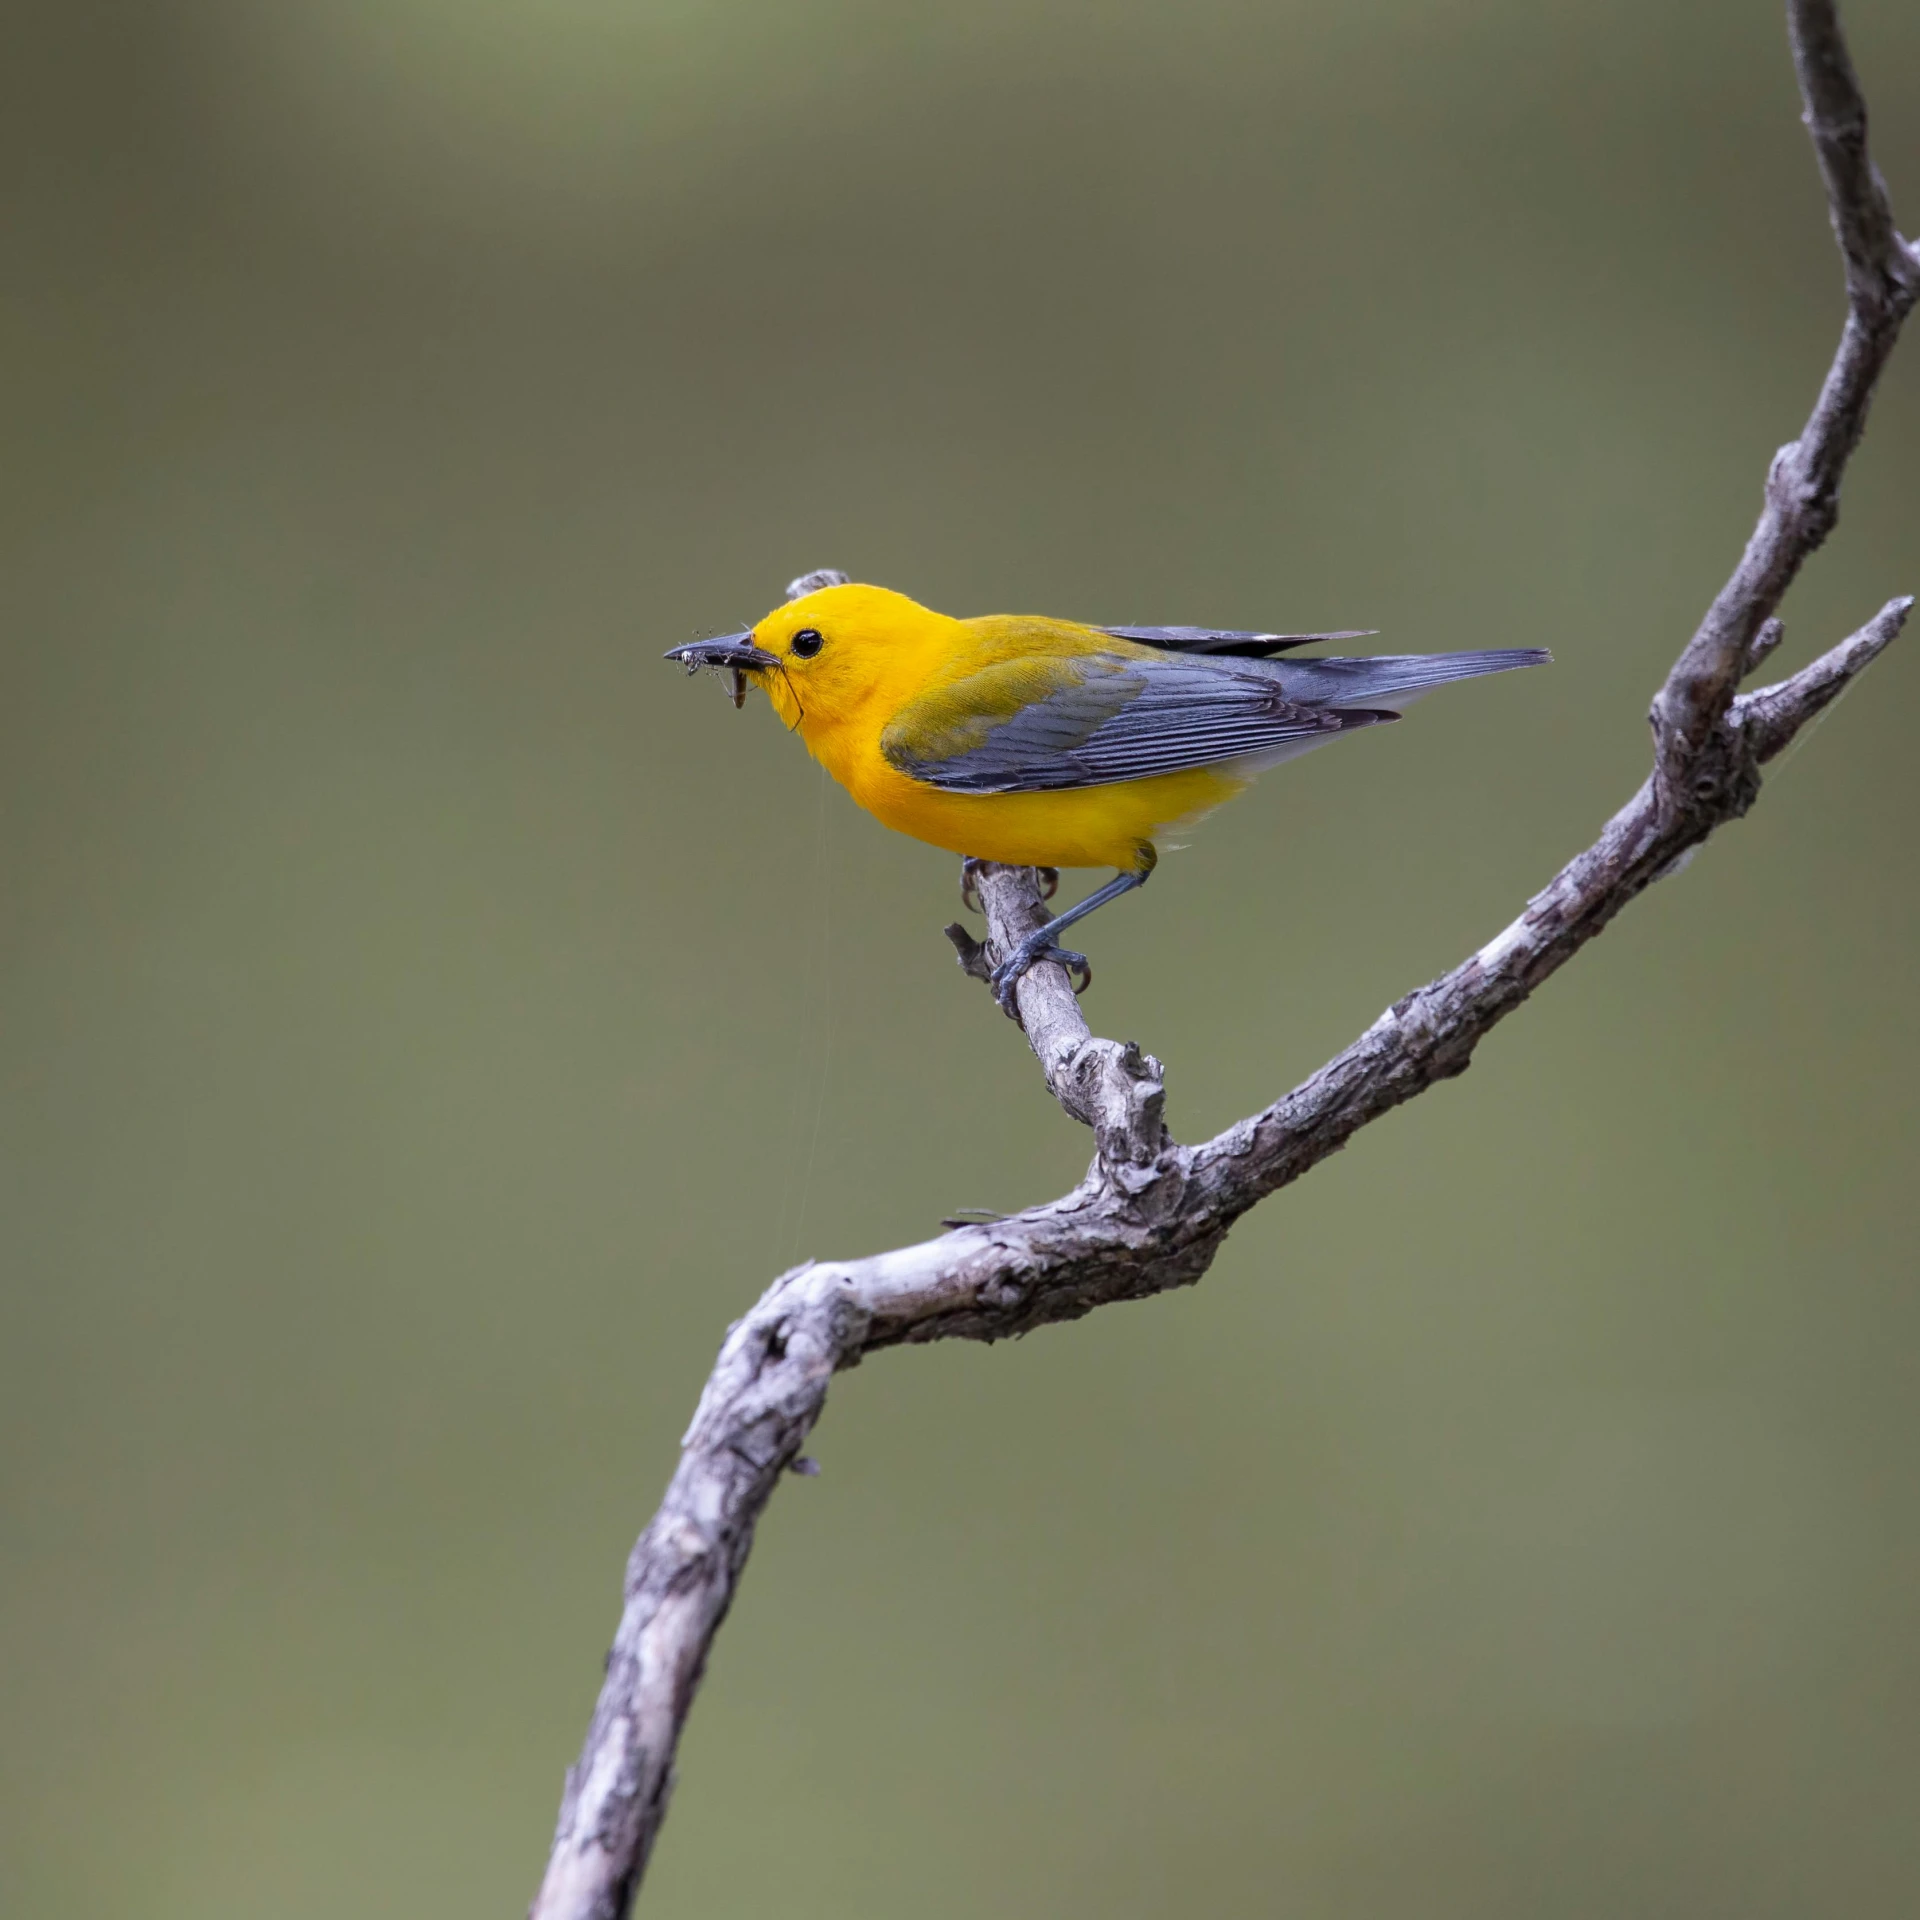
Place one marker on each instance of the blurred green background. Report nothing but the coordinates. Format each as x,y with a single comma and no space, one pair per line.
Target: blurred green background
428,1020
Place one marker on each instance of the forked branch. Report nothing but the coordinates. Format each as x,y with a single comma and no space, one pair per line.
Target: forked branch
1150,1213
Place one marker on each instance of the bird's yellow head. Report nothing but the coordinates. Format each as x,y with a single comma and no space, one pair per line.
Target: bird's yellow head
822,659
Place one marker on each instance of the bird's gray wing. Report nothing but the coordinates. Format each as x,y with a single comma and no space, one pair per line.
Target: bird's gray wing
1041,727
1225,640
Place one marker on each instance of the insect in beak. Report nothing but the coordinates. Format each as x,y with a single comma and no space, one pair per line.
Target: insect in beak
734,654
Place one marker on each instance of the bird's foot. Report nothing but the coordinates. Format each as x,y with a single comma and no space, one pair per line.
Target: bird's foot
970,877
1031,951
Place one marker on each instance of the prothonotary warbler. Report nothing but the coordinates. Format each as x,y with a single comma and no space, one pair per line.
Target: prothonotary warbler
1046,743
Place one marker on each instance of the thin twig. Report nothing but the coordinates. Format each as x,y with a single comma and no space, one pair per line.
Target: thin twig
1150,1214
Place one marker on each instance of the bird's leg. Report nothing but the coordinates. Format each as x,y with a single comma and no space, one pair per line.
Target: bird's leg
1040,946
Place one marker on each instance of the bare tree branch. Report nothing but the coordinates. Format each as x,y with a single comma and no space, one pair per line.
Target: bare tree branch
1150,1214
1803,485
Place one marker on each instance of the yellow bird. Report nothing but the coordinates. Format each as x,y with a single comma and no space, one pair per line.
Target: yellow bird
1046,743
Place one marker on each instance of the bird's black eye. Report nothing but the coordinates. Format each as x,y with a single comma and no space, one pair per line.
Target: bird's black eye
806,643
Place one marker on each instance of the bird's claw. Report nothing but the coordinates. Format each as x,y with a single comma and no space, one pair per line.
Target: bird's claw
1006,976
970,874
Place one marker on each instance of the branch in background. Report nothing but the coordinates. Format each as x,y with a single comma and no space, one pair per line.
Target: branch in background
1150,1213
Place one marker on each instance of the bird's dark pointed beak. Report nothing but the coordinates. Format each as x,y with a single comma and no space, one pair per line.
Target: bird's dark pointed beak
734,653
726,650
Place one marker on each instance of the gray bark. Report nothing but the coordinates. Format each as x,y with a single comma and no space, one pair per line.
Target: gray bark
1151,1213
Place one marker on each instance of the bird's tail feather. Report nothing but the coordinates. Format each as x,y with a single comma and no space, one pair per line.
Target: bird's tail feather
1392,679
